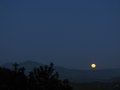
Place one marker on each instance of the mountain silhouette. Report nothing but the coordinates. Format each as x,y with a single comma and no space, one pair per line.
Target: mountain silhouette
73,74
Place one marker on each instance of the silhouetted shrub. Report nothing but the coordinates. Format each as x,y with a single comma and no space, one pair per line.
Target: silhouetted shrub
42,78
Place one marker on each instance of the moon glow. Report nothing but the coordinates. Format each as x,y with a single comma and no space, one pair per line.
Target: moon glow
93,66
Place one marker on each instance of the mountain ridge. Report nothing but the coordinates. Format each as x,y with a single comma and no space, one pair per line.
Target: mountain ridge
73,75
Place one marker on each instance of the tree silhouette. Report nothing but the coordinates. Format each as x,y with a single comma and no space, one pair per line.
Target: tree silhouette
15,65
41,78
45,78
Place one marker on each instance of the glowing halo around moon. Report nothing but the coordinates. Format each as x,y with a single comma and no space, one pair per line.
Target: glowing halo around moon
93,66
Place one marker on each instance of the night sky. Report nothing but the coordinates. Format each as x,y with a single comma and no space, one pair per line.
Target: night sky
70,33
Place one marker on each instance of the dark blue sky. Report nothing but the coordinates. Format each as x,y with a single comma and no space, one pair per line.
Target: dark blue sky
70,33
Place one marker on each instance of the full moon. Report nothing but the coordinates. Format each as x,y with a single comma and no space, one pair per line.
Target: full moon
93,66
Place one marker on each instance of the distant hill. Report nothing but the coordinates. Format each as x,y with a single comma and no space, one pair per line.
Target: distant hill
29,65
73,74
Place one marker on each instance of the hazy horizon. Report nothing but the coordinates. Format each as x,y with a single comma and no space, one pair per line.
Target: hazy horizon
88,67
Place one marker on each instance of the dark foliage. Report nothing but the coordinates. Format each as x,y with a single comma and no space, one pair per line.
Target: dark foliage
97,86
42,78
